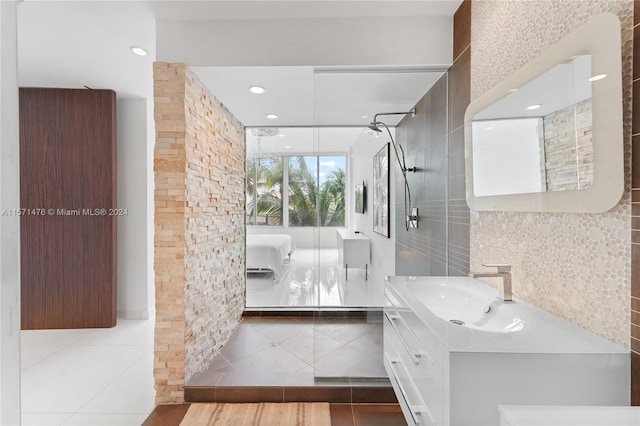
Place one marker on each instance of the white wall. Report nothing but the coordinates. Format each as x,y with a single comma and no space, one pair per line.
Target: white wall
361,169
151,140
133,260
392,40
9,225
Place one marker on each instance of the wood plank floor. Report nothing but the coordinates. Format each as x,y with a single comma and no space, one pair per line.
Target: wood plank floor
341,415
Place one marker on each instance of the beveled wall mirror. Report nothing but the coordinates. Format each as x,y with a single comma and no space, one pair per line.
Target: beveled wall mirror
549,137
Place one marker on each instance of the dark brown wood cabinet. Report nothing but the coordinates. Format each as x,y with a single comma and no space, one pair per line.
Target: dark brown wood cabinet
67,191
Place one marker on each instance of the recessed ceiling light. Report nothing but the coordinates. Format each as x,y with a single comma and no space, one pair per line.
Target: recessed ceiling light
282,135
271,116
532,107
258,90
597,77
287,146
140,51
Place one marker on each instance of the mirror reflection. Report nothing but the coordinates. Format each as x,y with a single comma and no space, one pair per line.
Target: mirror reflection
538,138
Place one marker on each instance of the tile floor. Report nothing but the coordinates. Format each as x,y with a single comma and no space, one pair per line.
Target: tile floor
313,278
88,376
299,351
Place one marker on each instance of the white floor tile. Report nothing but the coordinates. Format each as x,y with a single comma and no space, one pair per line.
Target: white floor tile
106,419
31,355
70,378
44,419
315,279
88,376
132,392
54,337
125,333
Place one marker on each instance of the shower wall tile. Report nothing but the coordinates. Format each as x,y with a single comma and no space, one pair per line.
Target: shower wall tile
635,163
459,90
437,248
636,107
636,50
436,153
437,100
635,378
456,164
422,251
635,220
459,97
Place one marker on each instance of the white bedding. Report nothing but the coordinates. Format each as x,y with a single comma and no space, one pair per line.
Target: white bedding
268,252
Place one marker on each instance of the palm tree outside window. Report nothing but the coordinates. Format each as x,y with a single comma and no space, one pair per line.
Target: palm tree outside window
314,185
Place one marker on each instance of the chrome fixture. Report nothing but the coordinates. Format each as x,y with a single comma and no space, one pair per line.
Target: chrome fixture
410,213
504,272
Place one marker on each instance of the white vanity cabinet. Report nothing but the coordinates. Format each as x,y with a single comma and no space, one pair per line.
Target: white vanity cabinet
353,250
447,374
416,363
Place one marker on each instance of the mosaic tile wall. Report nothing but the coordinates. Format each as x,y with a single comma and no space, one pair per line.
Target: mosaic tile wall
576,266
635,214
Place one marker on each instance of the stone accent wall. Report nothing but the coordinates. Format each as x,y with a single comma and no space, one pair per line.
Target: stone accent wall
199,227
568,147
576,266
215,225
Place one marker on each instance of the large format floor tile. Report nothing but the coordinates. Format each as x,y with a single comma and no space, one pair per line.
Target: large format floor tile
88,376
297,351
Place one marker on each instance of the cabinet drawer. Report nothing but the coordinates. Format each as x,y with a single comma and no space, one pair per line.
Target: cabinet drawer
413,406
426,375
415,333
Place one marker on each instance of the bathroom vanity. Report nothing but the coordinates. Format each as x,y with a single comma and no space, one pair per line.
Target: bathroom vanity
454,352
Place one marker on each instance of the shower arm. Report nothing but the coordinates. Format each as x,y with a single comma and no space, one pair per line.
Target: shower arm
403,165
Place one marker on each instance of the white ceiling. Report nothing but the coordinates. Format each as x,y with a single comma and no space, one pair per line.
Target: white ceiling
308,96
266,9
300,140
86,43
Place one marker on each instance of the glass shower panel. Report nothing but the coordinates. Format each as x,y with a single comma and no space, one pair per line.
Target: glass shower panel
347,330
281,186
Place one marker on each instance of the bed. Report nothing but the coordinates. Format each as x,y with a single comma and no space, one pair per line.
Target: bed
269,253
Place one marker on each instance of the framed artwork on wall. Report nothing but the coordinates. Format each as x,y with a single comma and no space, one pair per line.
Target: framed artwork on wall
381,207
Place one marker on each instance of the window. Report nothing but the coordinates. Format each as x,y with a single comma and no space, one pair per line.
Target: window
264,191
314,185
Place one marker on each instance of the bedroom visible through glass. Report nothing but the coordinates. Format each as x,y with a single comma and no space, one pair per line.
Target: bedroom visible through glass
298,194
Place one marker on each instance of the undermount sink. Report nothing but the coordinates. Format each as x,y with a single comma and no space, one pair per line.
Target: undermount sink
468,305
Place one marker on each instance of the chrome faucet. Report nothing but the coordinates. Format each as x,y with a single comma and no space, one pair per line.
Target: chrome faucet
504,272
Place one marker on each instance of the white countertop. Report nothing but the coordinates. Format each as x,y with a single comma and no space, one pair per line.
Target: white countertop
542,332
537,415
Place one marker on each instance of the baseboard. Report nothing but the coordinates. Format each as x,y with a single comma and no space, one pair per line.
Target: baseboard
137,315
